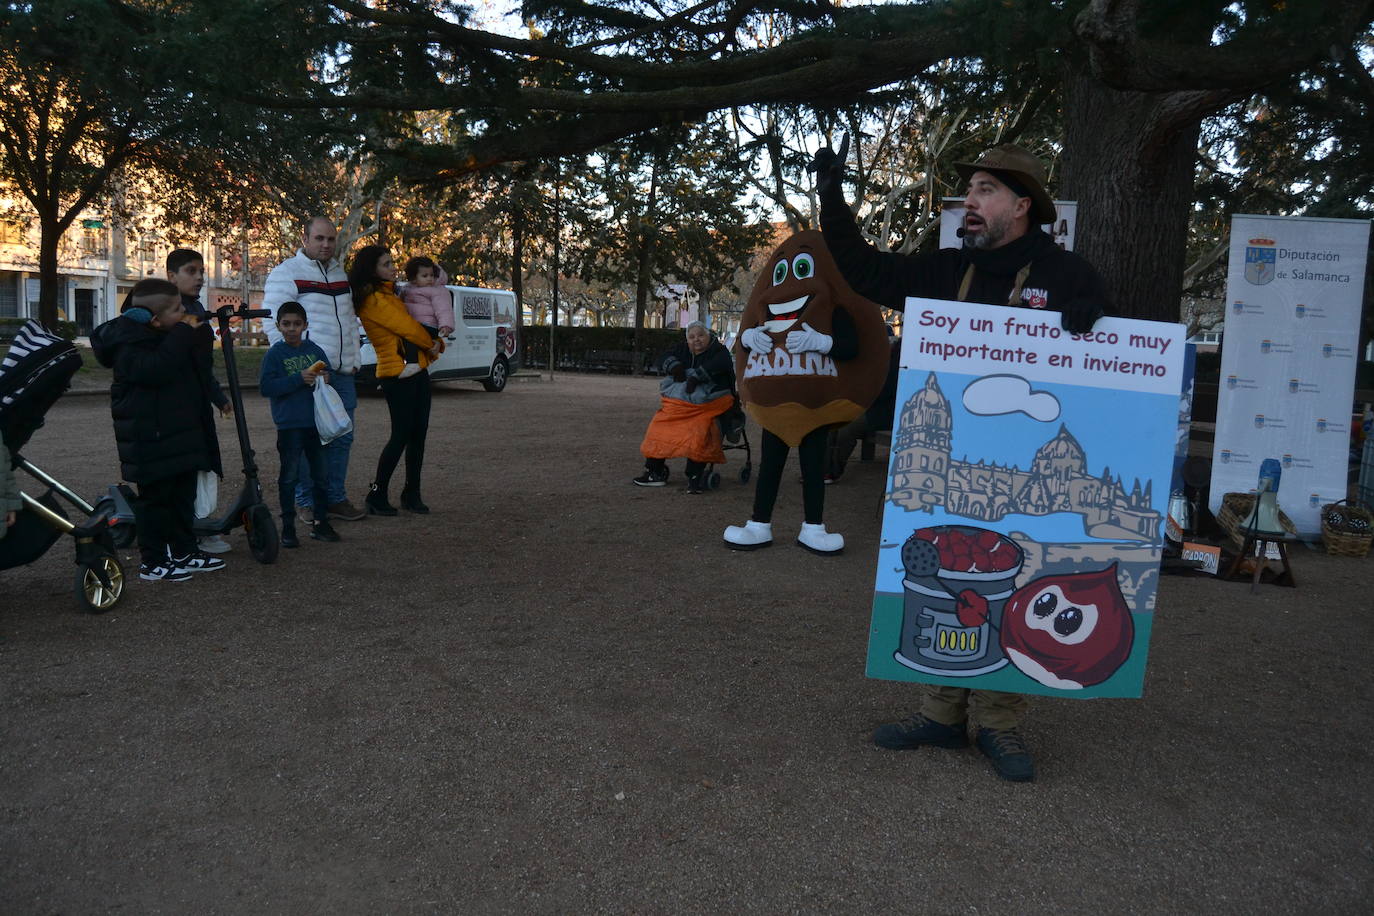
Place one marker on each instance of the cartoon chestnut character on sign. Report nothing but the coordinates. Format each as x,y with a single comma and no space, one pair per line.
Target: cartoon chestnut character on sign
811,354
1070,631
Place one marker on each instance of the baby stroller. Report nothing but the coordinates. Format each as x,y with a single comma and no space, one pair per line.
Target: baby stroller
36,372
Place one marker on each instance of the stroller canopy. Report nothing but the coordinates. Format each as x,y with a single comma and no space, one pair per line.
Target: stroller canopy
34,373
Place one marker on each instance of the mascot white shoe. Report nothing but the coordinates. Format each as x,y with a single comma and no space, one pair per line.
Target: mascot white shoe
817,540
750,536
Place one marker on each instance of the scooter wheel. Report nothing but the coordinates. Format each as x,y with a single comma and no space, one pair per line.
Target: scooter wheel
93,594
744,473
263,542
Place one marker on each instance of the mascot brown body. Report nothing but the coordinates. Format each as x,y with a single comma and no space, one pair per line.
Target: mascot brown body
811,354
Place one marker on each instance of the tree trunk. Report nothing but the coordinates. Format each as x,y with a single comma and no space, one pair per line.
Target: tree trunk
647,238
1128,161
50,236
517,268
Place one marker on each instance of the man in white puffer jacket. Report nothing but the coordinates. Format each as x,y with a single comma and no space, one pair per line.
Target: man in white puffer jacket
315,279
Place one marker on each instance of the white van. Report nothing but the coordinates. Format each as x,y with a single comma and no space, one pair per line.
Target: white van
483,346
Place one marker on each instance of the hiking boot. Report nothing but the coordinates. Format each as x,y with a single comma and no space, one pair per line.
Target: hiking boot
288,537
215,543
1007,750
346,511
651,479
750,536
919,731
323,531
162,572
376,502
197,562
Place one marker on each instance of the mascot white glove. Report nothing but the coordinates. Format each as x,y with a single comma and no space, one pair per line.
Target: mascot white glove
757,339
809,340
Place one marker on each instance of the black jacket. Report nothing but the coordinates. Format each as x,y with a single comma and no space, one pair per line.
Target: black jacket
161,409
713,367
1057,277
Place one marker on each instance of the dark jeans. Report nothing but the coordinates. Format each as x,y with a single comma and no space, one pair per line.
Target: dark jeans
293,447
163,515
811,454
335,453
407,400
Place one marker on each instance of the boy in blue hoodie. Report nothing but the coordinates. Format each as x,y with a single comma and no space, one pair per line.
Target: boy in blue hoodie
291,369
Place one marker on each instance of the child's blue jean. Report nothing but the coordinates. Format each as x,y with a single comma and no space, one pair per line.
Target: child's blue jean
297,447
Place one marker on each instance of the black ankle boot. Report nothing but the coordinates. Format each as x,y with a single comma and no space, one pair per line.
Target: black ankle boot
411,502
376,502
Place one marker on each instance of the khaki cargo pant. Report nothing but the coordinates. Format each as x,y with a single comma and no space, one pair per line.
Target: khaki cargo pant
988,708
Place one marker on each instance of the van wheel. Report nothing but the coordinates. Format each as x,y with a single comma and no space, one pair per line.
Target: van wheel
499,373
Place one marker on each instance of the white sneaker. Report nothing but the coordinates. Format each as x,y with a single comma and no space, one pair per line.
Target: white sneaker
817,540
215,543
409,370
750,536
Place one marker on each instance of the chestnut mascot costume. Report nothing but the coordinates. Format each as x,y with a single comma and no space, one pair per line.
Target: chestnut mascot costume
811,354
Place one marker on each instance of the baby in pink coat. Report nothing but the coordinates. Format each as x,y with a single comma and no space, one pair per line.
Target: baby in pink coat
429,302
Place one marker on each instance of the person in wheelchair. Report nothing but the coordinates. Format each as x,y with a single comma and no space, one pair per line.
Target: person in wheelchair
697,387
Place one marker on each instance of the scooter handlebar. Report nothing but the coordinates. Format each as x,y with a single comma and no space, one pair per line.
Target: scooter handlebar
230,311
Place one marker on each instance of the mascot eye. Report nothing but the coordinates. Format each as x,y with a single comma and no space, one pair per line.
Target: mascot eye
779,272
1067,621
1044,605
803,266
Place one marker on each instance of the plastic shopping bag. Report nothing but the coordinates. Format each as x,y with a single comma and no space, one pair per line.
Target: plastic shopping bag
331,417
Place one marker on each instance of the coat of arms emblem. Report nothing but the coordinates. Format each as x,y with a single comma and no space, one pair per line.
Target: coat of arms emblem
1260,258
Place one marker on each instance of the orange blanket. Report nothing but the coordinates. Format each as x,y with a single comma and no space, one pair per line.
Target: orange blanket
684,430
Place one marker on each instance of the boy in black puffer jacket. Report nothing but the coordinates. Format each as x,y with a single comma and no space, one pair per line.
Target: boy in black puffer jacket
158,406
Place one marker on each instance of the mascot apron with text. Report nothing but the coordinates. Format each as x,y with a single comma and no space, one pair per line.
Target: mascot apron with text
811,355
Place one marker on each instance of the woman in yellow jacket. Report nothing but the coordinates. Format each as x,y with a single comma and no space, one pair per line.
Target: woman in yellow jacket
389,326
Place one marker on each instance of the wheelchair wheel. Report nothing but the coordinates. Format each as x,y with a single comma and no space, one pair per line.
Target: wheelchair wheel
92,593
745,473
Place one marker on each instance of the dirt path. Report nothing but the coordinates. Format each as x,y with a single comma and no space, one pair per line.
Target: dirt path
561,693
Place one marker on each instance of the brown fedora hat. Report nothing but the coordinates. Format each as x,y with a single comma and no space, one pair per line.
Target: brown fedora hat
1024,168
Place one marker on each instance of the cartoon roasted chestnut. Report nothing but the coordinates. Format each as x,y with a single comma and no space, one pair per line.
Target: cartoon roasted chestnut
800,295
1068,631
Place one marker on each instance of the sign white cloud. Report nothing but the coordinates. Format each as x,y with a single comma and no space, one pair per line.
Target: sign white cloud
994,395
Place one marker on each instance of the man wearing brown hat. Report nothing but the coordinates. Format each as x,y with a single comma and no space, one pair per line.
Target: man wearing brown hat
1006,259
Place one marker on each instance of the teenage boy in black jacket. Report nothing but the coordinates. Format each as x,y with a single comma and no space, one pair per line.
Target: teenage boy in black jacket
158,403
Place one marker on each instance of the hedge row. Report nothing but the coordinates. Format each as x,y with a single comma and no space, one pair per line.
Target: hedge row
595,349
10,327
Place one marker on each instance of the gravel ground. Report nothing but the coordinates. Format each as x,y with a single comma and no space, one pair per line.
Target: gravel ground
560,693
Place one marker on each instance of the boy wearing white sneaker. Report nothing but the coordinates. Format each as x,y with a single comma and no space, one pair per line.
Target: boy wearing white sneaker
158,405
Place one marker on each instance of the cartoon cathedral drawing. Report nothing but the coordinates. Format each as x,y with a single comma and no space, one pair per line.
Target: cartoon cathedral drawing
925,475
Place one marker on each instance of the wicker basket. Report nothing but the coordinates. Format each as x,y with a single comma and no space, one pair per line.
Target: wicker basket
1236,509
1347,528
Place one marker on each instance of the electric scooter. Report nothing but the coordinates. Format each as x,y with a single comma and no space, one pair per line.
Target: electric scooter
248,510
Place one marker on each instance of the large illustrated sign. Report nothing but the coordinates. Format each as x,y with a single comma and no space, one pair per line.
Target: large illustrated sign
1293,292
1027,491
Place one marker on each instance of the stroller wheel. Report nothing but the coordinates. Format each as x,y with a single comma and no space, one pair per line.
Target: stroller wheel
713,480
745,473
263,542
96,595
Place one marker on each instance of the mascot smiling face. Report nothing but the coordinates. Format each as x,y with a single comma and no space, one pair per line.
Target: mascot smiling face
790,394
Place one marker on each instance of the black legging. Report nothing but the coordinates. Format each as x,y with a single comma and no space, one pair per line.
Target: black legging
811,454
407,399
